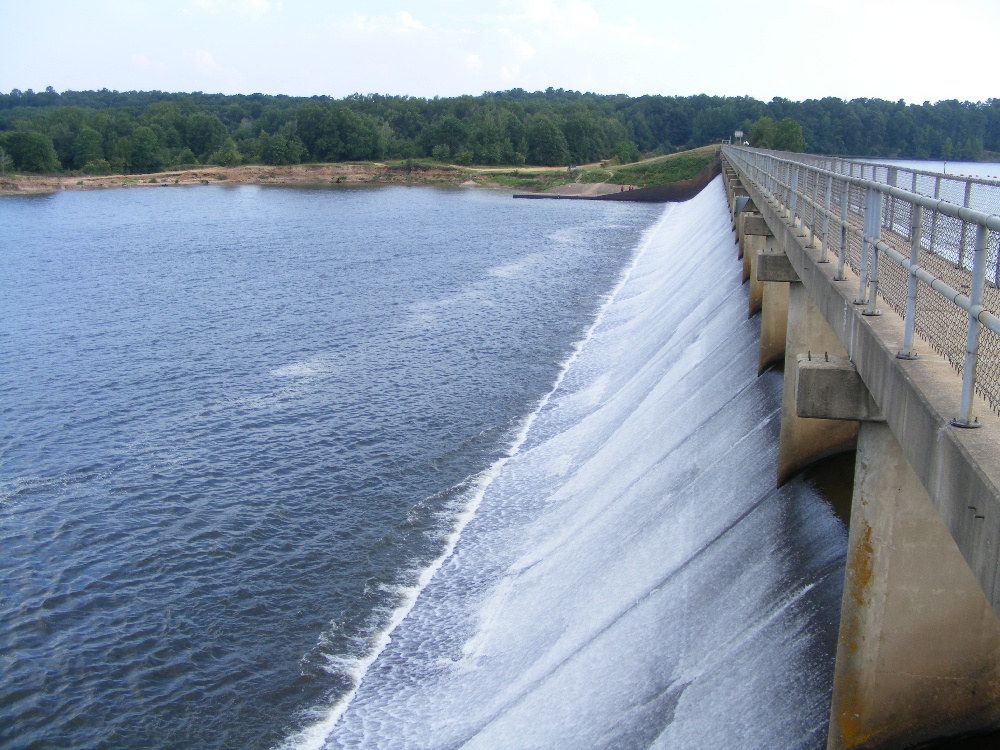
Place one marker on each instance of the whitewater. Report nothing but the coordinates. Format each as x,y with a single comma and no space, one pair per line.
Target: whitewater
630,576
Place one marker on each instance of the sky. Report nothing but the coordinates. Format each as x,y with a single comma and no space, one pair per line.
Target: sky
916,50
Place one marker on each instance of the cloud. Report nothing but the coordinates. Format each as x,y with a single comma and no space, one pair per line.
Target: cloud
473,62
574,14
409,21
206,62
252,9
140,60
522,49
401,23
510,72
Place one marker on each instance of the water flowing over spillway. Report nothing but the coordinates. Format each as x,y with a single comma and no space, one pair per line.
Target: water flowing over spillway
631,577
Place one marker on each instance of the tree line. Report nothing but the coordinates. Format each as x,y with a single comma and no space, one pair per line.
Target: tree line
147,131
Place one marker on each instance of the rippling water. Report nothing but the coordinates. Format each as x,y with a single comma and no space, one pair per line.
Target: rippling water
239,423
632,579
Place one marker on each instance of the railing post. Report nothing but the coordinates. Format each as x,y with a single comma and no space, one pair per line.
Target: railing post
842,250
875,223
866,213
916,228
787,187
826,220
934,218
965,227
892,178
792,199
965,418
812,224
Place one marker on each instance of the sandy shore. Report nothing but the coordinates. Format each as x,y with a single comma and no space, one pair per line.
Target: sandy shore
298,174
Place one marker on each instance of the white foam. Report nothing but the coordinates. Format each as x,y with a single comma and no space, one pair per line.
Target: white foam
313,736
629,575
308,368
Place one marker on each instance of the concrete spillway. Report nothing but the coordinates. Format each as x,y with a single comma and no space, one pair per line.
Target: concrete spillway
631,578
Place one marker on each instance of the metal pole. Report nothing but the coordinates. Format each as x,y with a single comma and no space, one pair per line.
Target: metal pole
793,196
865,234
876,233
826,220
892,178
789,198
916,217
934,217
965,227
842,250
812,224
965,418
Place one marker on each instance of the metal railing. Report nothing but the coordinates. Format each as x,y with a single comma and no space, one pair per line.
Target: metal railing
980,193
932,260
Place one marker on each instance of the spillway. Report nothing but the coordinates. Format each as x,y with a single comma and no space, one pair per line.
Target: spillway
631,577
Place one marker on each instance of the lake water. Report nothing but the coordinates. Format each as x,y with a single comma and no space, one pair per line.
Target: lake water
238,423
242,428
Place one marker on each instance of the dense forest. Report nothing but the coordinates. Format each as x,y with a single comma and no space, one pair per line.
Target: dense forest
105,131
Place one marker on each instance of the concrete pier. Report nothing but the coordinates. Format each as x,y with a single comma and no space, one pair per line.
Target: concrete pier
918,655
804,441
773,323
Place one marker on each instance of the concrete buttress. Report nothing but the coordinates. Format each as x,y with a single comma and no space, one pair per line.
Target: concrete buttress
918,655
802,440
773,323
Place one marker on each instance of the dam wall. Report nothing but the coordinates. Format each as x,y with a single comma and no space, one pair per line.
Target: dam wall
919,646
632,577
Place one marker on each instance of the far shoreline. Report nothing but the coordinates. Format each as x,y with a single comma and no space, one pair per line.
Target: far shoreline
304,175
599,178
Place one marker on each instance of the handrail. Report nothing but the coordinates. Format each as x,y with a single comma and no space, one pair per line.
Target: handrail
878,221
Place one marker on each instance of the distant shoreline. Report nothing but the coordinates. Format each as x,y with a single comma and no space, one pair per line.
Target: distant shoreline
586,179
296,174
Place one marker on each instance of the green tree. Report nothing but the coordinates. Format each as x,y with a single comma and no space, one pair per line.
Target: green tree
761,133
448,131
788,136
30,151
625,152
6,163
546,143
98,166
87,147
184,158
227,156
146,155
280,148
205,134
121,155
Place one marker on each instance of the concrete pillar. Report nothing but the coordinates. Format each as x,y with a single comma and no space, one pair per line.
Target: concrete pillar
802,440
773,323
755,243
746,249
918,655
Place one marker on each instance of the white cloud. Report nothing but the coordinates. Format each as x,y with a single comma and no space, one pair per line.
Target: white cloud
510,72
473,62
141,60
401,23
574,14
409,21
252,9
364,23
206,62
522,49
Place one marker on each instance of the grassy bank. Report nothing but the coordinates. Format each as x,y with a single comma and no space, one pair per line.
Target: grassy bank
656,171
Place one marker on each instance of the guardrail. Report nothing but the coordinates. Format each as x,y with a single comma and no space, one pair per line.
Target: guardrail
943,277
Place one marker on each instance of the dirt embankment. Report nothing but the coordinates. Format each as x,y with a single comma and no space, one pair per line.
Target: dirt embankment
298,174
